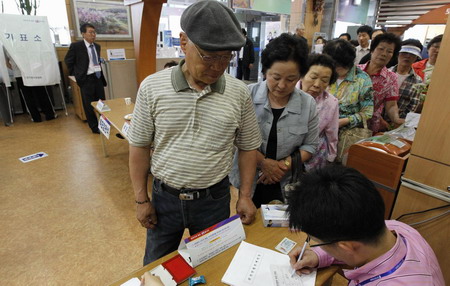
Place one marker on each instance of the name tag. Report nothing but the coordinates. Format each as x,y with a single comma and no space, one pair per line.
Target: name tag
97,68
125,128
104,126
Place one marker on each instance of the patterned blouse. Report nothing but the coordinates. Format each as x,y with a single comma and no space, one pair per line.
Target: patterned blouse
409,97
386,89
355,96
328,110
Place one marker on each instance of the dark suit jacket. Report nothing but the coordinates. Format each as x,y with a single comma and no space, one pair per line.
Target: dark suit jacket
248,55
77,61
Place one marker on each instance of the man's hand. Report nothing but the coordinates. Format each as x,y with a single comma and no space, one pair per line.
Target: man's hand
306,265
150,280
246,209
146,215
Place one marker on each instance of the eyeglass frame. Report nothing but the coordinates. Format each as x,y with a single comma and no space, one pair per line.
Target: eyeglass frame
212,59
308,239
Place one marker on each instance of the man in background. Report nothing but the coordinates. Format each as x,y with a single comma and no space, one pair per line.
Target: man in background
246,58
195,115
300,32
83,61
364,33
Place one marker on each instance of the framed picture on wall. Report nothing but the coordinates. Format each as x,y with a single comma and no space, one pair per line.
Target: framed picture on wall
111,19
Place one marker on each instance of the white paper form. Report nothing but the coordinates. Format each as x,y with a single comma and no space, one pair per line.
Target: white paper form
254,265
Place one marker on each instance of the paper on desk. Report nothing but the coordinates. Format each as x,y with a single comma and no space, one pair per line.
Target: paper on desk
254,265
132,282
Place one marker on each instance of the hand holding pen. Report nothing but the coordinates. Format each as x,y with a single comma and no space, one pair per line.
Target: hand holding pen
303,260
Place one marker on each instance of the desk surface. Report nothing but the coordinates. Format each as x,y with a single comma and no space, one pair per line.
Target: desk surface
215,268
118,110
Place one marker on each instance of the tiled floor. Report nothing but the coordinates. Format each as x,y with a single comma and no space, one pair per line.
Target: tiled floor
66,219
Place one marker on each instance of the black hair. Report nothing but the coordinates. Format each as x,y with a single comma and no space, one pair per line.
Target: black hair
325,61
354,43
342,51
387,38
285,48
84,27
376,30
347,35
413,42
436,39
323,40
170,64
365,29
337,203
244,32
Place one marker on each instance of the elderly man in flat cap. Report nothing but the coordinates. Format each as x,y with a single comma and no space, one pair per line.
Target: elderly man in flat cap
194,114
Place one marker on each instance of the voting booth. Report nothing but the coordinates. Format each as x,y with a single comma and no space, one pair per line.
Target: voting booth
26,40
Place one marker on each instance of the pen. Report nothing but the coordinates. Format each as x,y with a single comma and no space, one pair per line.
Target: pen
301,254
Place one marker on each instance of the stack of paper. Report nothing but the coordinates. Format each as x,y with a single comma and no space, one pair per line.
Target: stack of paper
254,265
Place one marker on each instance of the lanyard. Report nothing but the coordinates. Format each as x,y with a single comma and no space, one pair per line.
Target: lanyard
385,273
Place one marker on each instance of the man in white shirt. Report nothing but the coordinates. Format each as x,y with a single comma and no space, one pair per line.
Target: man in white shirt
364,33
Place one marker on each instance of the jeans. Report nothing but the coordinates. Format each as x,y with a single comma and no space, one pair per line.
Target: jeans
174,215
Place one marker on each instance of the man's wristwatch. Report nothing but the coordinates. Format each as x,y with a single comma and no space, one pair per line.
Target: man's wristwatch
286,162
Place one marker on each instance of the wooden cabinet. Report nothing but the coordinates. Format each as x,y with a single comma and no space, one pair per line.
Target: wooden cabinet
77,100
429,164
383,169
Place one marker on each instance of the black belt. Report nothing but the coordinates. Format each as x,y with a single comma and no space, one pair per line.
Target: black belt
189,194
91,76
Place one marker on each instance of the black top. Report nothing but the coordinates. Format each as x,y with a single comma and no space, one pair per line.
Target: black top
266,193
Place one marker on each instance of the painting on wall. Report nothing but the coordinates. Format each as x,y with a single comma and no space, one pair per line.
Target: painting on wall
243,4
111,19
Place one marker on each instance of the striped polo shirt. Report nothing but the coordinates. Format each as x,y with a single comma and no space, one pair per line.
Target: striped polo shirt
193,132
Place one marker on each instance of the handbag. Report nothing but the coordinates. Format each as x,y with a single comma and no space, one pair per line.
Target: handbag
349,137
297,170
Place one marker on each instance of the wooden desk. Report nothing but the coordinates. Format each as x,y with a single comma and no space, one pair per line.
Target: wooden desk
257,234
116,116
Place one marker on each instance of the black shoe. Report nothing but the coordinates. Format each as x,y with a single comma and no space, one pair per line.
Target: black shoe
95,130
51,117
118,135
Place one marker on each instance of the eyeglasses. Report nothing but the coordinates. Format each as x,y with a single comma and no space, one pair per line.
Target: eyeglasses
212,59
308,239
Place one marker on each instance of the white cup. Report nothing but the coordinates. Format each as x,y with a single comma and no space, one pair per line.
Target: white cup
127,100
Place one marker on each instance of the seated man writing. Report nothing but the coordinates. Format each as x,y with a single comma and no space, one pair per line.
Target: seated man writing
343,213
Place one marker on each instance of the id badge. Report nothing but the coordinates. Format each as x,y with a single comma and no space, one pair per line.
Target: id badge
97,68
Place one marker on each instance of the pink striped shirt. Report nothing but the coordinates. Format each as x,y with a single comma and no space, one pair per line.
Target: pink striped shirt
420,266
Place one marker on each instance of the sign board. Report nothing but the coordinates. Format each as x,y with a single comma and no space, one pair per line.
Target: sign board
116,54
33,157
28,42
208,243
104,126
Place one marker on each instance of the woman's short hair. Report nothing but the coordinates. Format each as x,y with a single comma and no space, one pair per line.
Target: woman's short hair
346,35
324,61
387,38
285,48
436,39
342,52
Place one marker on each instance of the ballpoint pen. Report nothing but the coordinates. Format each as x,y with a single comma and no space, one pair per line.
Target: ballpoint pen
301,254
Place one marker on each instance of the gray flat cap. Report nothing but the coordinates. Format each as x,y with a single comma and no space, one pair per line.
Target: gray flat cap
212,26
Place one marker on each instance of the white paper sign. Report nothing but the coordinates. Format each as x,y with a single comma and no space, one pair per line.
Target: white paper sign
116,54
101,106
125,128
104,126
33,157
208,243
28,42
